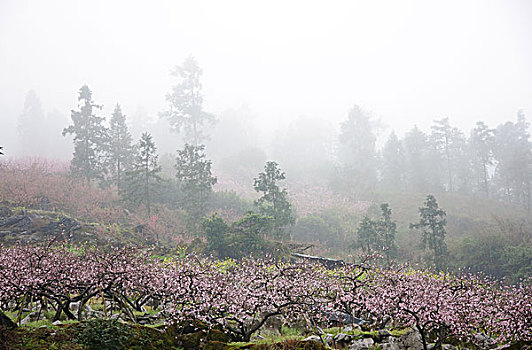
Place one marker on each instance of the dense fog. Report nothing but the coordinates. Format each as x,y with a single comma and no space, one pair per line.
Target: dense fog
266,67
358,109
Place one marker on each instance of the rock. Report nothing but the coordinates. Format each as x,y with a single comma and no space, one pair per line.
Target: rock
343,339
74,306
64,225
382,336
26,320
390,346
410,340
448,347
366,343
57,323
313,337
343,318
347,329
328,339
384,333
32,317
5,212
16,220
485,342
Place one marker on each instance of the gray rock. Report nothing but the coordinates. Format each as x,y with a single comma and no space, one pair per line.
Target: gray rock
384,333
74,306
448,347
342,338
410,340
390,346
366,343
485,342
95,314
32,317
57,323
347,329
313,337
328,339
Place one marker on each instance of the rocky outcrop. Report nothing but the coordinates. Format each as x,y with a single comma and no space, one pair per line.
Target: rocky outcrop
36,226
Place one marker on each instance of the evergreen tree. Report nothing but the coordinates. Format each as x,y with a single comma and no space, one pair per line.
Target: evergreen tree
481,143
432,225
120,147
274,200
387,230
185,112
367,238
514,159
196,181
416,154
393,164
143,178
215,230
357,150
90,137
450,143
32,127
378,236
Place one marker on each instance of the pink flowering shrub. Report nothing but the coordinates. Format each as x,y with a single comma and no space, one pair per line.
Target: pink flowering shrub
240,296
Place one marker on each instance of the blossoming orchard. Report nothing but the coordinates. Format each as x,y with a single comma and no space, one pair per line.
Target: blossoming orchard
240,297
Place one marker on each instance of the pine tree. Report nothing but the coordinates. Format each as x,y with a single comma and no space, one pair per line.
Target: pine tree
143,178
367,238
432,225
513,153
481,143
422,162
450,142
357,150
120,147
393,164
378,236
32,127
196,180
185,112
90,137
387,231
274,200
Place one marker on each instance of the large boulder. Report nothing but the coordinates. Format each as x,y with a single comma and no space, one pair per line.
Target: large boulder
411,340
362,344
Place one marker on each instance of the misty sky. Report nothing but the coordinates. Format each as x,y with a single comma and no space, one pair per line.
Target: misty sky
407,62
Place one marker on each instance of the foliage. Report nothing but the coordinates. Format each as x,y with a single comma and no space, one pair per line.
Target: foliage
451,145
357,151
238,297
243,238
432,225
143,178
185,112
274,200
120,148
103,334
215,230
378,236
196,180
90,137
481,143
513,154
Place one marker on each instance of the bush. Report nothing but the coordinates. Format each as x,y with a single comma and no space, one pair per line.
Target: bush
103,334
